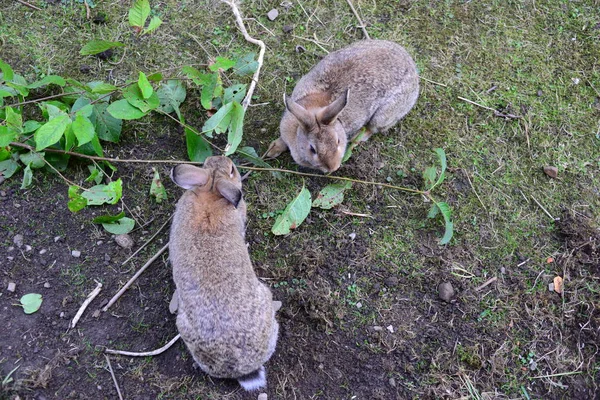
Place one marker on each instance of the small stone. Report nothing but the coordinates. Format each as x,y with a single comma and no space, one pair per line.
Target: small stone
300,49
11,287
76,253
99,242
359,305
273,14
11,248
352,236
551,287
43,251
391,281
446,291
502,270
125,241
28,247
287,28
96,314
377,328
390,328
10,258
575,81
552,172
62,314
392,382
18,240
47,285
106,257
540,93
57,238
2,192
262,396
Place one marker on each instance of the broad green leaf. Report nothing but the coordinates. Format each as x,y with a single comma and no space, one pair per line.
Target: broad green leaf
331,195
4,154
171,94
83,129
122,226
429,176
155,77
51,132
353,143
145,86
31,302
198,77
70,138
102,194
96,146
157,190
27,177
58,161
294,214
7,135
104,88
134,96
95,175
234,136
81,103
31,126
48,80
33,159
7,72
198,148
433,211
77,202
234,93
449,225
139,13
221,63
14,119
219,122
108,219
249,153
6,93
98,46
86,111
107,127
8,168
122,109
246,65
442,156
211,90
155,22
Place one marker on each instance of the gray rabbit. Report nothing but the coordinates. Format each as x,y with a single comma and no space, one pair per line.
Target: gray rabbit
371,83
225,315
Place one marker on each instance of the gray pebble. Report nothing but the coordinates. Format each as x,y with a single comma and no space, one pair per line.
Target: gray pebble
18,240
446,291
391,281
125,241
2,193
57,238
287,28
76,253
106,258
392,382
43,251
11,287
273,14
47,285
262,396
352,235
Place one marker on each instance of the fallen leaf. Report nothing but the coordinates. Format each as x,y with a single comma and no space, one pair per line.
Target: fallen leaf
31,302
558,284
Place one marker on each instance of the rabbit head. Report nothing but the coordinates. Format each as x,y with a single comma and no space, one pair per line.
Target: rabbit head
218,174
320,137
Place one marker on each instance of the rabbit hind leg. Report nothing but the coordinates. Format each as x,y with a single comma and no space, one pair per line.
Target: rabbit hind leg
391,113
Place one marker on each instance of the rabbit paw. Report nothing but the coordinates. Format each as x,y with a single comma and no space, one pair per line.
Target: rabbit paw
276,148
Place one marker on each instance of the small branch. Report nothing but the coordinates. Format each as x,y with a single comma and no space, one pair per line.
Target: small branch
61,175
29,5
88,15
474,191
240,23
147,242
434,82
112,373
312,41
555,375
145,354
544,209
54,96
137,274
486,283
86,303
496,112
361,26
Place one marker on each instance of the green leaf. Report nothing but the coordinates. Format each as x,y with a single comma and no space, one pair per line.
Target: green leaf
107,127
33,159
198,148
221,63
433,211
134,96
108,219
98,46
7,135
170,96
58,161
70,138
294,214
198,77
6,93
27,177
442,156
48,80
31,126
122,226
234,93
51,132
219,122
211,90
14,119
353,143
449,225
249,153
7,72
104,88
331,195
139,13
145,86
77,202
155,77
246,65
429,176
101,194
122,109
155,22
95,175
157,190
234,136
84,129
31,302
8,168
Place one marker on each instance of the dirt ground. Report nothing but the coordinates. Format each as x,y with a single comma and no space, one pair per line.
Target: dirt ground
362,317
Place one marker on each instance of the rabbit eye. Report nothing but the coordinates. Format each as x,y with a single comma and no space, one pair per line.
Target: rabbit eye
232,171
312,149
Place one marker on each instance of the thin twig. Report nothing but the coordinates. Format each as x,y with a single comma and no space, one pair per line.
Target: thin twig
61,175
474,191
356,214
147,353
54,96
476,104
29,5
240,23
133,278
361,26
544,209
312,41
88,12
555,375
434,82
496,112
147,242
86,303
486,283
112,373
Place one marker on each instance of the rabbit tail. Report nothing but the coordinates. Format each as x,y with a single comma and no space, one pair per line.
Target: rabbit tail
254,380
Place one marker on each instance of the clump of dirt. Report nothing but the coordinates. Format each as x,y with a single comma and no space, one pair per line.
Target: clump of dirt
582,240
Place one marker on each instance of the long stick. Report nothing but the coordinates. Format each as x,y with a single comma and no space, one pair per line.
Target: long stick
86,303
361,26
133,278
147,242
112,373
147,353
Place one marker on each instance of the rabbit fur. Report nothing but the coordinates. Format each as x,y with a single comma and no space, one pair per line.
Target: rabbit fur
225,315
370,83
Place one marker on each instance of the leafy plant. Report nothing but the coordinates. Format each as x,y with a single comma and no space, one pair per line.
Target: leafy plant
138,15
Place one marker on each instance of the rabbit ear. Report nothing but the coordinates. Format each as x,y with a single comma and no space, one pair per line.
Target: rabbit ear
302,114
229,191
188,176
330,113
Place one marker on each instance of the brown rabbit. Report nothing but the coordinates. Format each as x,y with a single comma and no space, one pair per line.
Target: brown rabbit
371,83
225,315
